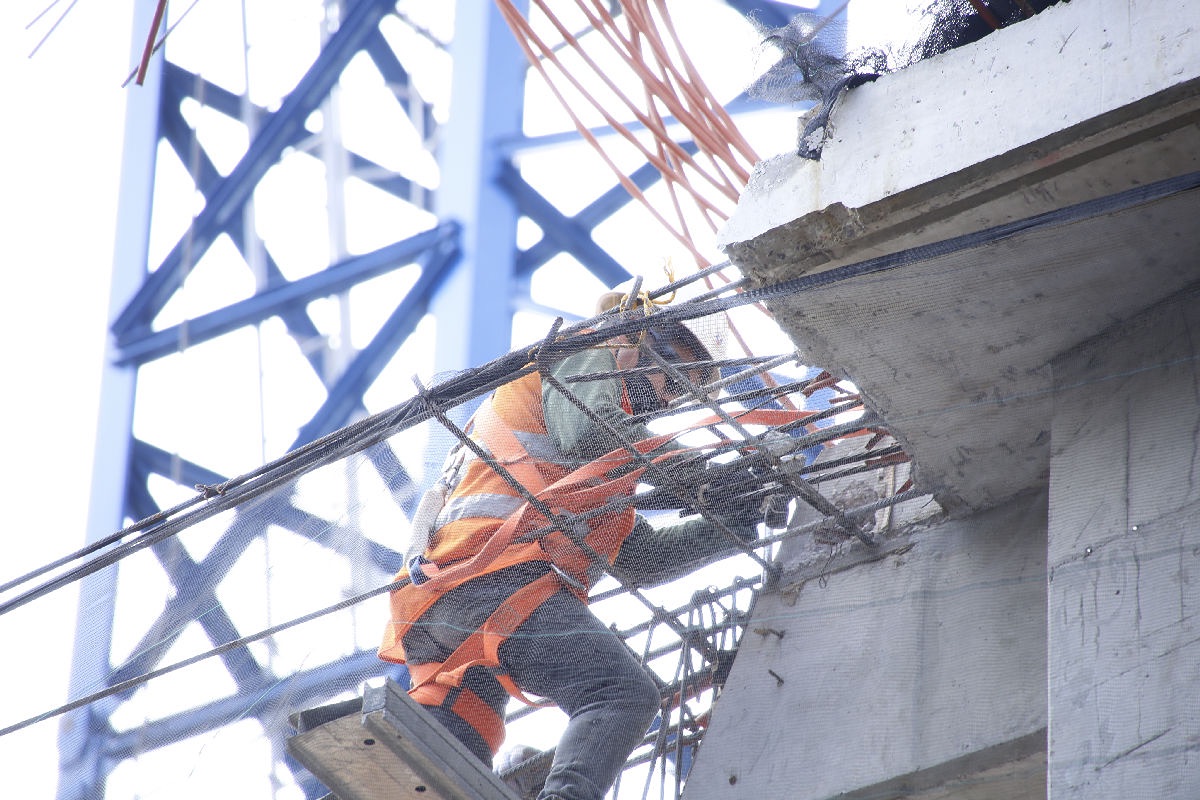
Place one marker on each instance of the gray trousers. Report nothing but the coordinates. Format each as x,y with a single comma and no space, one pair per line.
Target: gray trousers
563,653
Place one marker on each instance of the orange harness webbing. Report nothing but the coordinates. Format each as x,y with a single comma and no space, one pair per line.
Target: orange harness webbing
491,427
574,493
482,648
467,705
578,491
434,683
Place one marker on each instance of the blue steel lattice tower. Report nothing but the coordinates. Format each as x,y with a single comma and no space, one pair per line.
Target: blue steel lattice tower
212,308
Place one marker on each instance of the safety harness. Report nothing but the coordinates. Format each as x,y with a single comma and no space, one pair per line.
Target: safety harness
517,540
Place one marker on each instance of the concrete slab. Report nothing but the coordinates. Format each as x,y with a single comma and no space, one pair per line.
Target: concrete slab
951,345
1014,770
985,124
952,351
897,671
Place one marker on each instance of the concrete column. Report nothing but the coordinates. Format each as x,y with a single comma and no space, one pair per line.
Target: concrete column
1124,561
911,670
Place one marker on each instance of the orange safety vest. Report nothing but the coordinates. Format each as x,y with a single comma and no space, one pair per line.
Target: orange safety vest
511,428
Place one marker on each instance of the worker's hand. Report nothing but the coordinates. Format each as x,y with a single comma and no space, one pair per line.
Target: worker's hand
741,515
651,556
747,532
732,491
776,510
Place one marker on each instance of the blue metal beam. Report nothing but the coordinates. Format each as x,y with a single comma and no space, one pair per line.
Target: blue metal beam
589,217
82,765
184,571
346,394
148,459
567,235
473,309
142,344
193,600
394,184
396,75
174,128
261,700
182,139
178,83
279,131
276,511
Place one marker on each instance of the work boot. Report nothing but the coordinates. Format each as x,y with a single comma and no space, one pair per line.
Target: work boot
524,769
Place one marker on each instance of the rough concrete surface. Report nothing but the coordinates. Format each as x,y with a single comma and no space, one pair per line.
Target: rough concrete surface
999,248
1124,553
951,345
1059,79
908,661
952,351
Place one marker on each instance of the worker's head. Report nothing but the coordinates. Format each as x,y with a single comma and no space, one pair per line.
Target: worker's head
674,342
652,388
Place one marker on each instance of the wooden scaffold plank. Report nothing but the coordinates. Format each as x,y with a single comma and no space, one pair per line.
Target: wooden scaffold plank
392,750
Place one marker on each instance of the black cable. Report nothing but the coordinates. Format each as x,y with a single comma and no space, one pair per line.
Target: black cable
133,683
475,382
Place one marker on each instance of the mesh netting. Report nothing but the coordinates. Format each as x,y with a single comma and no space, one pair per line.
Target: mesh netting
618,461
761,486
637,460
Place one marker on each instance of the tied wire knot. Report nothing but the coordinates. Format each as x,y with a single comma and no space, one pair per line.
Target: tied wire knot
640,298
637,297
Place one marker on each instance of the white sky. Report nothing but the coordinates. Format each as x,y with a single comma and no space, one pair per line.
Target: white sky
63,111
64,108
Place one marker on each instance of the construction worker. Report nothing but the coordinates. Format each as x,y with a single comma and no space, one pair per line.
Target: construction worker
497,603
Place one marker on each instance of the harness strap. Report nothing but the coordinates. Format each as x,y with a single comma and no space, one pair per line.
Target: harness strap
507,449
482,647
468,706
574,492
570,492
584,488
410,603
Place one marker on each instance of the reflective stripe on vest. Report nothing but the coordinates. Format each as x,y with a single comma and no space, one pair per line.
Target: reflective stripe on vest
541,447
509,427
472,506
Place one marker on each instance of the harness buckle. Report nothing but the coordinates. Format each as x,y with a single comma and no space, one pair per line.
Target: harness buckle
415,573
567,579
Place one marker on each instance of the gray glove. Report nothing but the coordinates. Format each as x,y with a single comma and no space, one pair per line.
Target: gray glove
651,556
